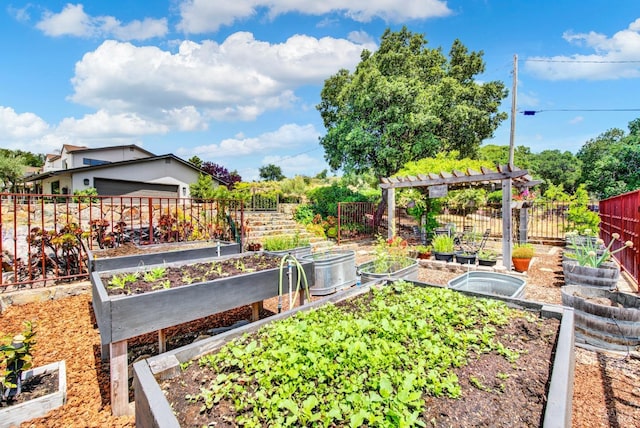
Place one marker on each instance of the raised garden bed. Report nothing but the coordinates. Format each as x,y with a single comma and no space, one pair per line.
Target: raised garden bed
131,255
368,393
15,414
121,317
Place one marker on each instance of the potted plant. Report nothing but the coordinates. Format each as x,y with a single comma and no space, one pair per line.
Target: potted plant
466,257
443,246
590,264
487,257
422,251
521,256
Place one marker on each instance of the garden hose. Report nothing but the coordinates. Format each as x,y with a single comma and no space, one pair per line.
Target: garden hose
301,275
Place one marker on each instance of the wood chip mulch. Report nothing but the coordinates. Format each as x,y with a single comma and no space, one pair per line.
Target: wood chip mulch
606,387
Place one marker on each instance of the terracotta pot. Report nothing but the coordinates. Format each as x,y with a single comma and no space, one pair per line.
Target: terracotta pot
424,255
521,265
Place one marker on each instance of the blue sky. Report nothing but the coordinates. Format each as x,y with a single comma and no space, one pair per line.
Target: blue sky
236,82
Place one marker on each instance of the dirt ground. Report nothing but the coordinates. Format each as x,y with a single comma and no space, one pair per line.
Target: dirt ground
606,387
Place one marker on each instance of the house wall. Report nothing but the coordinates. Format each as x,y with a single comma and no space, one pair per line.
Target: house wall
76,158
161,171
64,182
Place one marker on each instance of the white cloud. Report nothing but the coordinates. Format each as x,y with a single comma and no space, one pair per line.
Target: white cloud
286,137
613,57
105,125
302,164
200,16
20,126
73,21
576,120
238,79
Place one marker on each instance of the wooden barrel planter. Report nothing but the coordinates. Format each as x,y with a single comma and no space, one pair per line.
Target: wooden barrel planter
605,276
605,319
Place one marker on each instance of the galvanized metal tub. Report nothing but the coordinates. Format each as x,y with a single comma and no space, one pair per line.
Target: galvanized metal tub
334,270
489,283
410,272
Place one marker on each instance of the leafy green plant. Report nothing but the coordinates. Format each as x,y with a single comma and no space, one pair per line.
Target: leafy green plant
15,357
155,274
423,249
487,255
443,244
120,282
166,284
366,363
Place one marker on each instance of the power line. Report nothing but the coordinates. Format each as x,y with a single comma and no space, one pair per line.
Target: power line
586,61
533,112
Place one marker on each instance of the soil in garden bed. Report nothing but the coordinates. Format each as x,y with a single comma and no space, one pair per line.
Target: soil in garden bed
495,392
34,387
130,249
175,276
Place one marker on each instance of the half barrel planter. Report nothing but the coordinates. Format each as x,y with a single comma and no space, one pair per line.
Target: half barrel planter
605,276
407,269
334,270
161,253
123,317
605,319
14,415
153,410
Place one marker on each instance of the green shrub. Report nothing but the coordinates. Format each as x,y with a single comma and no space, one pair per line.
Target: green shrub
303,214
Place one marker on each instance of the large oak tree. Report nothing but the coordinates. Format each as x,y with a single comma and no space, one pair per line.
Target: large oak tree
405,102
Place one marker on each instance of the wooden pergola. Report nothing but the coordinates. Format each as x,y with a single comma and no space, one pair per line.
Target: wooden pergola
439,184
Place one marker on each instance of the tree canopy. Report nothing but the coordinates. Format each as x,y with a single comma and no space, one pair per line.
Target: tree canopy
271,172
614,162
11,170
231,178
405,102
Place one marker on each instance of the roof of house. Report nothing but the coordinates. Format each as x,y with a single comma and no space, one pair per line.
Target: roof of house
119,163
69,148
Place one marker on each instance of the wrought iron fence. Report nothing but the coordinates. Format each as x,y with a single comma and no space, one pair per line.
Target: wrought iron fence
545,221
44,236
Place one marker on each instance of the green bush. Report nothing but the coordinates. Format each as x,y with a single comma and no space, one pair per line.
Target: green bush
324,200
303,214
284,242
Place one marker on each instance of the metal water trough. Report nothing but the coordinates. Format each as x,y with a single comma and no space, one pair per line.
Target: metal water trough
489,283
334,270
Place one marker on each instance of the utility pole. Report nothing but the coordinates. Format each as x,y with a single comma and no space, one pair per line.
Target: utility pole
514,99
507,183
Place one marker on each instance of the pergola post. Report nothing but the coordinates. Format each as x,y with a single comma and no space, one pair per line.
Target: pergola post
391,211
506,223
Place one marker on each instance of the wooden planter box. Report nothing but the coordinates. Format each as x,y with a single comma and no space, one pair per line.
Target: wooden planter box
153,409
18,413
171,252
125,316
